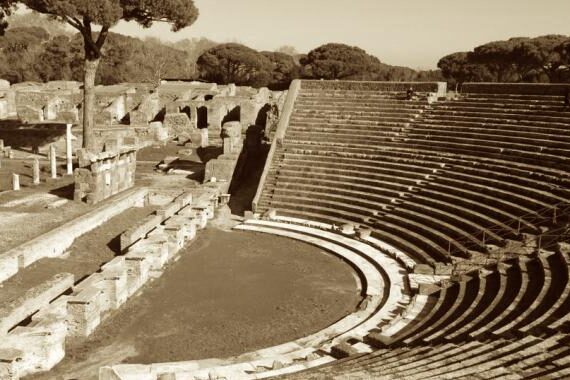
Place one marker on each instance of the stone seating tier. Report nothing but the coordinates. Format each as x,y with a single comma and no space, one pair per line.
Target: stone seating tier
492,179
524,153
322,173
443,182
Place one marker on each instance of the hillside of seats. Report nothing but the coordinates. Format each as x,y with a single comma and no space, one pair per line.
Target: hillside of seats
475,187
424,176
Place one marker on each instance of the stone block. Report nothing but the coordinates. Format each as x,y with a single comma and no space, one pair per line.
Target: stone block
175,233
115,286
168,210
364,233
378,340
202,219
111,145
138,117
423,269
343,350
33,300
139,231
9,363
137,271
84,312
155,252
178,125
104,118
347,229
3,109
29,114
4,85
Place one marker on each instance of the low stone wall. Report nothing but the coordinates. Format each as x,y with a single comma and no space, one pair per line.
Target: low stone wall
383,287
142,228
36,298
279,136
516,88
440,88
40,345
152,244
55,242
223,168
105,174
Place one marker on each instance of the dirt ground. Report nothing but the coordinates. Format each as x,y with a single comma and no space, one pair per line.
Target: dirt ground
230,293
33,210
84,257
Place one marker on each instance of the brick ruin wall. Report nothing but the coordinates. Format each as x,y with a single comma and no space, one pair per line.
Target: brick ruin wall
149,113
102,175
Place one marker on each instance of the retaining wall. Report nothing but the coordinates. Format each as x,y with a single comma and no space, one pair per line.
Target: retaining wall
516,88
40,345
55,242
440,88
279,136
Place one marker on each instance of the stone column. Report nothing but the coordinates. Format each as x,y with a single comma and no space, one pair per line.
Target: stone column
15,181
53,161
68,149
36,172
204,142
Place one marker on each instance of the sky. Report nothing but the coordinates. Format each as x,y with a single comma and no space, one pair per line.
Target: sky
413,33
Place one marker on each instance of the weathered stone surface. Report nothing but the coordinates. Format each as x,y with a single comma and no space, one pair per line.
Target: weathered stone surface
178,125
84,314
30,114
4,84
105,174
33,300
3,108
139,230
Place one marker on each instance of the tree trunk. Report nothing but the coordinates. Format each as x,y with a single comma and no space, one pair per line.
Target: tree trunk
90,71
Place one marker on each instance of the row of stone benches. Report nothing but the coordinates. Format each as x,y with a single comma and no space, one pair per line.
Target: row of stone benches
385,292
396,194
504,303
79,308
443,143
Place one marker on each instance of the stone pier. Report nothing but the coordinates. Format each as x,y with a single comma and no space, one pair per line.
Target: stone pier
68,150
102,175
15,182
53,161
36,172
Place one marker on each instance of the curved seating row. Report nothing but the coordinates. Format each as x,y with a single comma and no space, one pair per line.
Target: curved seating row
472,182
384,288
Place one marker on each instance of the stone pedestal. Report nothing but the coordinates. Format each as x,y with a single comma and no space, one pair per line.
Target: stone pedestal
36,172
15,182
53,161
83,312
104,174
69,149
137,271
